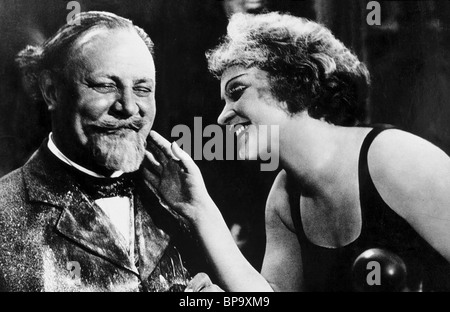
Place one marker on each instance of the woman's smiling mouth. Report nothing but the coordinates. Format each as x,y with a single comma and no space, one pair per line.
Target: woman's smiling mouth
239,128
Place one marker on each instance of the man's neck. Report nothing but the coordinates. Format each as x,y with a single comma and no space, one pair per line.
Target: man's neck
57,152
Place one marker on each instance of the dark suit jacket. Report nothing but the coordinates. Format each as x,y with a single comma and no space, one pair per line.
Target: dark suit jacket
54,238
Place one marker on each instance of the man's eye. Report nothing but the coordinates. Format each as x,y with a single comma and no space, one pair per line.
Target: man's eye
236,92
104,88
142,91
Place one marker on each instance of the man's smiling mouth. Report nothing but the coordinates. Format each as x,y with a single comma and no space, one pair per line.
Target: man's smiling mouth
112,130
113,126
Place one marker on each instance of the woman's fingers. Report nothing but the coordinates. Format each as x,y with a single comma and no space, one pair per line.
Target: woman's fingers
186,160
162,144
198,283
164,150
157,153
212,288
150,157
150,176
150,163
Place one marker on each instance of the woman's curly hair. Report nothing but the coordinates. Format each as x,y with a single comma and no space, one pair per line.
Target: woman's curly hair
309,69
54,53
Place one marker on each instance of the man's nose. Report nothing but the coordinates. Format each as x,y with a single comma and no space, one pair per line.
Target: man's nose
126,104
226,115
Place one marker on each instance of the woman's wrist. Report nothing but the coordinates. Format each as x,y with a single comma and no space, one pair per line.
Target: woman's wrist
203,212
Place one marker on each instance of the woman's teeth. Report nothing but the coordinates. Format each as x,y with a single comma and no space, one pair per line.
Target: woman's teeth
242,129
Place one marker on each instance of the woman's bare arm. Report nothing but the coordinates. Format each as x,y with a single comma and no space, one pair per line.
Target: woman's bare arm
282,265
180,184
413,178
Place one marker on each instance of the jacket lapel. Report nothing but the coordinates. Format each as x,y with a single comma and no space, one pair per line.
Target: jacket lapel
81,220
151,239
86,224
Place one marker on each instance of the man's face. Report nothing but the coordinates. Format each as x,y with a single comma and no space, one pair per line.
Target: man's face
107,108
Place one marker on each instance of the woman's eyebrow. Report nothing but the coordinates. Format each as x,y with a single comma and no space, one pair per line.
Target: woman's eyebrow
222,95
232,79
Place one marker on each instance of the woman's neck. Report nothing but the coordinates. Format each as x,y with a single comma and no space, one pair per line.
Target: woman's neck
318,155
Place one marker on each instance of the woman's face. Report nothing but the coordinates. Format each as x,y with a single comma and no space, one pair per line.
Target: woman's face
256,115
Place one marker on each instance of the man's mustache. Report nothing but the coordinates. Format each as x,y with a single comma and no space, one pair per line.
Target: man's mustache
133,123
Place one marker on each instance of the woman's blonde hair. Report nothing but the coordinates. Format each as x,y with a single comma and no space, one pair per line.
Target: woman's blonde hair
309,68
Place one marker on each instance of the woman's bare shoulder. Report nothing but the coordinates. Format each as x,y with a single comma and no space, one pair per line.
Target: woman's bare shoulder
412,176
396,151
407,169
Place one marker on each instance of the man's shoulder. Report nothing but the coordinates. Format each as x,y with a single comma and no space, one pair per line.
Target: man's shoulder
13,194
11,183
16,177
14,210
14,183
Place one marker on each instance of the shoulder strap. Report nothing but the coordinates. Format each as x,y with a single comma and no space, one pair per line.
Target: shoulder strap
367,189
294,202
369,139
368,193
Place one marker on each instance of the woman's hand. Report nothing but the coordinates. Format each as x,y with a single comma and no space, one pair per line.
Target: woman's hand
202,283
173,175
176,179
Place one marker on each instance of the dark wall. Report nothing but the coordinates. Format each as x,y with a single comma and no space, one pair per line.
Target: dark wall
410,63
408,57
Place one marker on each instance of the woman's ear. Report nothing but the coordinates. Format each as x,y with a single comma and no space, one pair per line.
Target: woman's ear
284,106
48,85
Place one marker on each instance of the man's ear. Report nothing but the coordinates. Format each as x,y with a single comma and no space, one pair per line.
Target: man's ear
49,89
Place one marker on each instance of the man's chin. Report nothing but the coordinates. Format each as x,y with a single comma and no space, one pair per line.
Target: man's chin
117,163
124,152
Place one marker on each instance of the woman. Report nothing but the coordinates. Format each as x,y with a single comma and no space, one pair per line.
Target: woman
343,188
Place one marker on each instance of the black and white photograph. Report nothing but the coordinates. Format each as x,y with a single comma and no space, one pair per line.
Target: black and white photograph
224,146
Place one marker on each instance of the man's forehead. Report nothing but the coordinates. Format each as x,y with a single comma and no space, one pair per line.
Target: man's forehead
101,38
88,36
114,48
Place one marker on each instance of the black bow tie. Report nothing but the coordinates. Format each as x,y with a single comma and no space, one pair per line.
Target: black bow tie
97,188
108,187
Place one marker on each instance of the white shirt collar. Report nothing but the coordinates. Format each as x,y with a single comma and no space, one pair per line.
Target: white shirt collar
52,147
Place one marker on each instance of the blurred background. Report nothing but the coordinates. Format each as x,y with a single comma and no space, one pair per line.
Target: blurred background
407,55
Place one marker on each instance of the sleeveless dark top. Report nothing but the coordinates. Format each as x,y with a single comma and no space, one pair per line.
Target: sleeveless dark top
329,269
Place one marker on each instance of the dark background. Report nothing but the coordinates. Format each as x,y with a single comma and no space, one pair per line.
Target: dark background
407,55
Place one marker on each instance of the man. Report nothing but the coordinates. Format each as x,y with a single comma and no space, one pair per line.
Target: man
76,216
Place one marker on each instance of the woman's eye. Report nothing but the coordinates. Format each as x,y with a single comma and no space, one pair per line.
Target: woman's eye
236,92
104,88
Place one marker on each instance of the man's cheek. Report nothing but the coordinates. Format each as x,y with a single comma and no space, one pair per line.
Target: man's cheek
93,105
150,119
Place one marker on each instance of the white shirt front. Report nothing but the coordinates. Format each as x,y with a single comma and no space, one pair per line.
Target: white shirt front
119,210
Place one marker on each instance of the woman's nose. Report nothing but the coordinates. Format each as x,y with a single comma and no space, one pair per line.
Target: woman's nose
226,116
